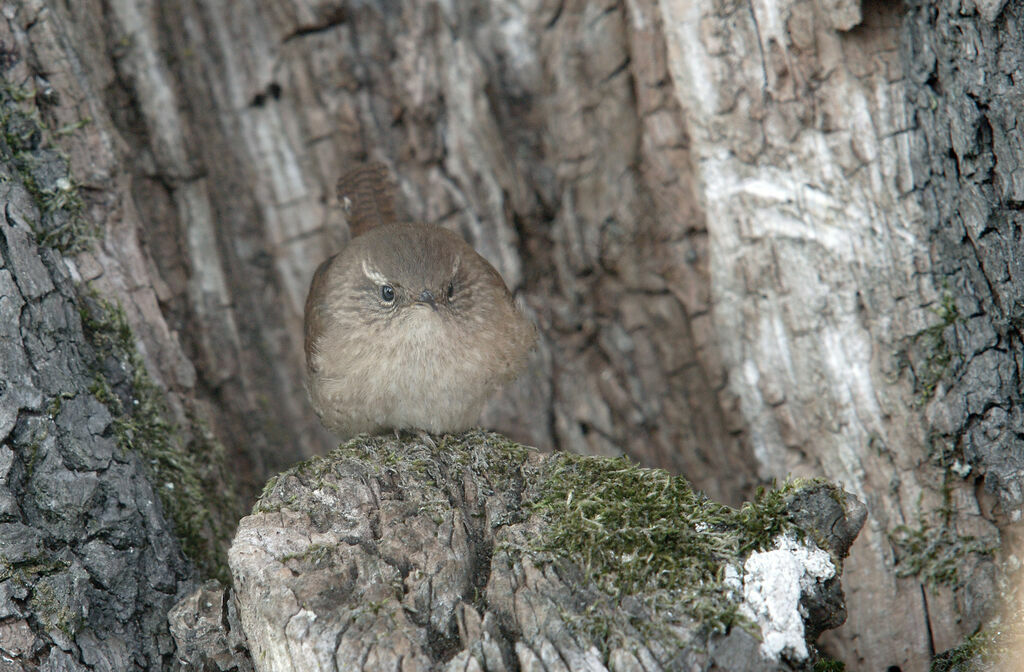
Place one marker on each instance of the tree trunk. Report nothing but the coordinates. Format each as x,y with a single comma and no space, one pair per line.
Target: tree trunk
830,322
761,239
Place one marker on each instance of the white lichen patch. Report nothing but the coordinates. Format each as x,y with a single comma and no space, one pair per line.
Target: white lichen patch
733,580
773,582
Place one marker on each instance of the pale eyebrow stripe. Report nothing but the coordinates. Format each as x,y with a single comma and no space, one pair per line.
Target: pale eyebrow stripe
373,274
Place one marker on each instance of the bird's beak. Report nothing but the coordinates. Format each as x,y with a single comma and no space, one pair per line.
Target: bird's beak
427,297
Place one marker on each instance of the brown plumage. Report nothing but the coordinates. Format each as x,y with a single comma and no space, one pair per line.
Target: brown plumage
408,327
367,196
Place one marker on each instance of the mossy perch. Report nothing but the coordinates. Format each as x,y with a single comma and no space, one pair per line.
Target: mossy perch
482,554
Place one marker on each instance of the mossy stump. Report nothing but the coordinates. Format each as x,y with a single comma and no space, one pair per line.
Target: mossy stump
472,552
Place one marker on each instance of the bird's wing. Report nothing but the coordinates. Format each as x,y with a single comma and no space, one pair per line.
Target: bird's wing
315,317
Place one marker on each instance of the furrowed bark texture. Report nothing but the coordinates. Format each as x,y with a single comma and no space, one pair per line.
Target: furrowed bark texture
965,83
90,560
724,217
89,564
546,134
964,79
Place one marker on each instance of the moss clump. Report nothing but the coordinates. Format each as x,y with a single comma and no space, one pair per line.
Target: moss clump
637,535
189,476
492,456
638,531
927,353
973,655
26,572
934,552
28,146
315,555
53,609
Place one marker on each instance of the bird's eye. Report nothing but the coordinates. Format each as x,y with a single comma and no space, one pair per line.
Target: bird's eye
451,290
387,293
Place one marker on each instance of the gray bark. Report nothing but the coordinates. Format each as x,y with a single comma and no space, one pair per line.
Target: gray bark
963,80
968,157
207,632
89,564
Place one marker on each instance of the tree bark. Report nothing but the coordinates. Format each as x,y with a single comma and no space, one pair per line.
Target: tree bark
822,295
524,137
761,239
89,562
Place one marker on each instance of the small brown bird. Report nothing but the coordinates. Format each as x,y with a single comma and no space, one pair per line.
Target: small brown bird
407,327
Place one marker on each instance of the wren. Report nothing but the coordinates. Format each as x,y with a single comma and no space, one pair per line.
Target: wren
407,327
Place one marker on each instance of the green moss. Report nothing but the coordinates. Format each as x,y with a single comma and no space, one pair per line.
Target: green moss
189,475
29,148
63,225
315,554
932,549
637,531
933,552
15,92
53,408
977,648
53,611
634,532
27,572
927,354
272,500
33,456
829,665
21,130
491,456
268,487
69,129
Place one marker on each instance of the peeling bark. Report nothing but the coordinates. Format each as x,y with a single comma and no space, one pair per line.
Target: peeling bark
825,304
